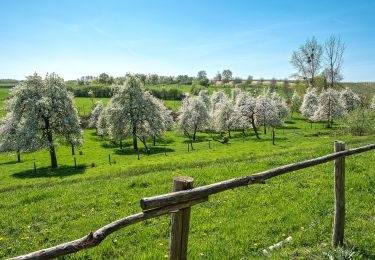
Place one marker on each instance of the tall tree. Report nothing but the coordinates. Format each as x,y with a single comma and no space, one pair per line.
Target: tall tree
193,116
309,103
11,137
218,76
349,99
334,52
224,117
133,112
245,107
329,106
227,75
45,109
307,61
202,74
296,102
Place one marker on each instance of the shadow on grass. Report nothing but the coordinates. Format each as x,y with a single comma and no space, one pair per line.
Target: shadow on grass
153,150
11,162
43,172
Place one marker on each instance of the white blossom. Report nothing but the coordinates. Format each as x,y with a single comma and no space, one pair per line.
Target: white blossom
44,109
309,103
349,99
134,112
296,102
329,106
224,117
193,116
245,108
95,113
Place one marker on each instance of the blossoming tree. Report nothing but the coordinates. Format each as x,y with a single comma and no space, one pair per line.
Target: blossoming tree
44,109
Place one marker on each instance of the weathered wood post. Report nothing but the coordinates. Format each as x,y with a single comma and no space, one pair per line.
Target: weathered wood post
339,218
180,222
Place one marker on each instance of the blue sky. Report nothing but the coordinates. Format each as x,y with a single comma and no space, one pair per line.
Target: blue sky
75,38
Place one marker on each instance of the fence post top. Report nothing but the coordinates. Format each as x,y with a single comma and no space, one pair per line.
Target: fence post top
185,179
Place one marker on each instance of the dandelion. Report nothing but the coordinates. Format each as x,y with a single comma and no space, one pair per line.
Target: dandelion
201,254
1,238
302,228
165,256
24,238
255,244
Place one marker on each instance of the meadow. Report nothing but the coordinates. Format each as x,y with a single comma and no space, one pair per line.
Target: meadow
47,207
44,207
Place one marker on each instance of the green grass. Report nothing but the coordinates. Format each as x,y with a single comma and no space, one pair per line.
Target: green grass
4,93
174,105
85,105
48,207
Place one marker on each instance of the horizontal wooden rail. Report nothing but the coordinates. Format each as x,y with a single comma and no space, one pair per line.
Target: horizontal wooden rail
204,191
95,238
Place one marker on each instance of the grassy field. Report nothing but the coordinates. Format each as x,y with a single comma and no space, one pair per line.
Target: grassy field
49,207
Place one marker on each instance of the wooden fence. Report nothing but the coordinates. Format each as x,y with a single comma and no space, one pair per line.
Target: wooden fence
179,203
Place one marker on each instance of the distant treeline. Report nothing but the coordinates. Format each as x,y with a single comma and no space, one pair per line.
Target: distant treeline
106,91
101,91
8,83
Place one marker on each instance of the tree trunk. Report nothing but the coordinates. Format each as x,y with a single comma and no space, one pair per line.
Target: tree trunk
73,153
52,151
154,140
229,134
265,129
143,140
50,142
254,127
18,156
121,144
273,136
135,143
195,132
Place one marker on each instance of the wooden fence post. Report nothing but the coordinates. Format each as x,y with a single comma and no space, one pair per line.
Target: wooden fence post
339,218
180,223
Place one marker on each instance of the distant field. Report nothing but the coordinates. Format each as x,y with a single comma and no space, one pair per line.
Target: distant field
4,92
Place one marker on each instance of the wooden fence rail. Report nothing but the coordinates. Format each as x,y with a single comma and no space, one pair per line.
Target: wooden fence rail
179,202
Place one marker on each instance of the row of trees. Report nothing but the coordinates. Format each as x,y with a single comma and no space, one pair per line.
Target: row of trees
146,79
327,105
240,111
